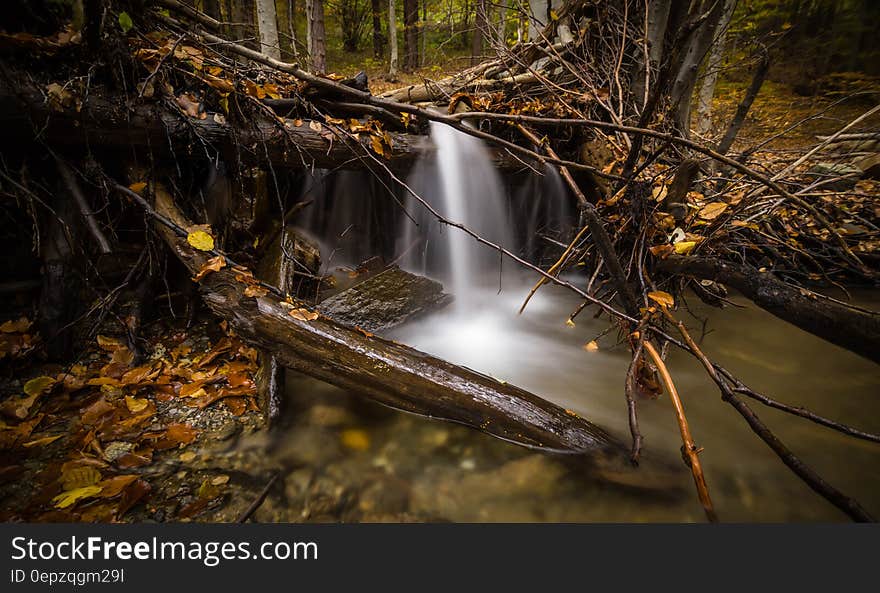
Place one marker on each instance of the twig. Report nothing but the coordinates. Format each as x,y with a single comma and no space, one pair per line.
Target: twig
83,205
690,452
258,501
843,502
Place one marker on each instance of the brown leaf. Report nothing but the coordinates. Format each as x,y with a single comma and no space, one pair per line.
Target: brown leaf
176,435
15,327
131,495
212,265
303,314
255,291
712,211
113,486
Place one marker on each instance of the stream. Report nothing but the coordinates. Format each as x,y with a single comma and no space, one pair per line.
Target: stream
354,461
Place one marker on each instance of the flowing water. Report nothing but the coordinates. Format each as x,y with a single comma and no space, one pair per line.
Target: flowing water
402,467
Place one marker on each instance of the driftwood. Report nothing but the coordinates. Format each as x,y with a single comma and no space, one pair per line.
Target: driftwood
382,370
850,328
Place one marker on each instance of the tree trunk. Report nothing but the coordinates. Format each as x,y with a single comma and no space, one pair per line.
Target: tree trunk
267,26
694,54
392,40
481,24
710,77
382,370
657,20
855,330
317,47
291,27
378,38
743,108
410,35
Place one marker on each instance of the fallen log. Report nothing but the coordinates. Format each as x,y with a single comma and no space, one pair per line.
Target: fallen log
854,329
107,124
382,370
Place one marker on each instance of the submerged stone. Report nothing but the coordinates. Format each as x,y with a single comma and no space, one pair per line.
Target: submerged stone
385,300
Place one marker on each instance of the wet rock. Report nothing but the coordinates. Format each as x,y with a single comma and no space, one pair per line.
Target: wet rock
386,495
385,300
329,416
310,445
297,483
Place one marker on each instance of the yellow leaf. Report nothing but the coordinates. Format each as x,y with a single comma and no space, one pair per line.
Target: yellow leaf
356,439
15,327
220,480
663,299
201,240
712,211
80,477
138,187
255,291
200,392
659,192
71,497
376,143
315,126
684,247
187,456
38,385
569,322
303,314
591,346
108,343
136,404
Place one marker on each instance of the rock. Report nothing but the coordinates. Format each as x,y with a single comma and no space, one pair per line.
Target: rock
329,416
844,176
117,449
385,300
228,430
388,495
869,166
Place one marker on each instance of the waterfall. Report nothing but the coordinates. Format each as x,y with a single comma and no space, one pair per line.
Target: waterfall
461,183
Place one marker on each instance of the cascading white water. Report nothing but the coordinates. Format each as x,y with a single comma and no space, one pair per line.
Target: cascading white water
461,183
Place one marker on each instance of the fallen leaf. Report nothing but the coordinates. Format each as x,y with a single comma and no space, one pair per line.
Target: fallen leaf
38,385
255,291
71,497
664,299
15,327
712,211
201,240
303,314
315,126
187,456
109,343
591,346
220,480
684,247
212,265
79,477
131,495
113,486
138,187
136,404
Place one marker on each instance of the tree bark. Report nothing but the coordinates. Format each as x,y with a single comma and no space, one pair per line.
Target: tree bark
410,35
317,45
267,26
849,328
481,24
710,77
695,53
743,108
392,40
382,370
378,38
